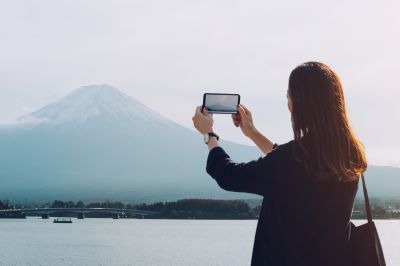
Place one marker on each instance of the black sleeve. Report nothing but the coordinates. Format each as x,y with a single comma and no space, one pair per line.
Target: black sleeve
251,177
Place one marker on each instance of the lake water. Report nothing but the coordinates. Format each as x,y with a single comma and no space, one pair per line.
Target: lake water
34,241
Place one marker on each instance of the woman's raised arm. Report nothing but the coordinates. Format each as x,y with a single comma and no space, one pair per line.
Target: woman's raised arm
244,120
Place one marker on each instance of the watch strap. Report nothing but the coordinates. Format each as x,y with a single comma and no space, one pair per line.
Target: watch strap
212,134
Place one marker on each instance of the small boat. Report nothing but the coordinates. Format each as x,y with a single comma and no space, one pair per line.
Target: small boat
62,221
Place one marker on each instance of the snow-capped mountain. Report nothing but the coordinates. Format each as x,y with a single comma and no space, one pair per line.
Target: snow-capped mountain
102,102
98,143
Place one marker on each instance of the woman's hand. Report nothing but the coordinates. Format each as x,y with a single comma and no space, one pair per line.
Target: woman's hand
244,120
202,120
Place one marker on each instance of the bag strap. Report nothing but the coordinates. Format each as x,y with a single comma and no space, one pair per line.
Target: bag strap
366,199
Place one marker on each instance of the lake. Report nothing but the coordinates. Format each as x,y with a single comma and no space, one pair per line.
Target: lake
34,241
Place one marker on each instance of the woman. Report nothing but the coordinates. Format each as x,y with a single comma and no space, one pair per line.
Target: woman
308,184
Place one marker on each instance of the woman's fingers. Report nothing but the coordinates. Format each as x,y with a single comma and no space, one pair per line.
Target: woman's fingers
242,111
235,119
198,109
245,109
197,113
205,111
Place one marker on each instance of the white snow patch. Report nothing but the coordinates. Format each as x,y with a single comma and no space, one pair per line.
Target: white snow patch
96,101
26,121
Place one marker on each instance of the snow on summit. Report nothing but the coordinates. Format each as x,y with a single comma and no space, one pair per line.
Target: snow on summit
95,102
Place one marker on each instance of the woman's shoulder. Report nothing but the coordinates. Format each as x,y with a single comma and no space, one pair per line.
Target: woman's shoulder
281,152
284,147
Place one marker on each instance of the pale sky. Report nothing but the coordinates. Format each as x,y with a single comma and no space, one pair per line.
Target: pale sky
166,54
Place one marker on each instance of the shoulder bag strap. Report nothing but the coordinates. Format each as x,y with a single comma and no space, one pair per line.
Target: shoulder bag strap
366,199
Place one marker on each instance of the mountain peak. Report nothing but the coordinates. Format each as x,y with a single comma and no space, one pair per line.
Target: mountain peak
95,91
95,102
94,96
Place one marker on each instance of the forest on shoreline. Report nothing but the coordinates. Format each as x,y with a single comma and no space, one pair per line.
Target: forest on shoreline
200,208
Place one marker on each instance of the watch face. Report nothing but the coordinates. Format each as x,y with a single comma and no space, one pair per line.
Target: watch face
206,137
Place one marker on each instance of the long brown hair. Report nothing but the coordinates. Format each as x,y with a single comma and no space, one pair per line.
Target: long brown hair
324,140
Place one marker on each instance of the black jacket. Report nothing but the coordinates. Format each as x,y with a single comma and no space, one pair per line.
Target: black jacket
302,221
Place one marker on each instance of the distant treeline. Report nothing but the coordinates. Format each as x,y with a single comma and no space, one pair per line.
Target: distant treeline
181,209
206,208
5,205
381,209
201,209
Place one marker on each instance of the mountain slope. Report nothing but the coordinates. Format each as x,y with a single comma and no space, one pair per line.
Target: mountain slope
98,143
103,103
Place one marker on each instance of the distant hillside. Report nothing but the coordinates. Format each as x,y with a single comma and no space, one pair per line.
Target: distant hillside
98,143
382,182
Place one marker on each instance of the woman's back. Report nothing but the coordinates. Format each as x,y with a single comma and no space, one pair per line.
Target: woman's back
304,221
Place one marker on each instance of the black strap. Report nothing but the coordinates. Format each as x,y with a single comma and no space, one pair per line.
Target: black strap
366,199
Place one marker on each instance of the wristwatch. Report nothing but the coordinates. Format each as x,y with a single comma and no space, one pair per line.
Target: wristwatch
207,136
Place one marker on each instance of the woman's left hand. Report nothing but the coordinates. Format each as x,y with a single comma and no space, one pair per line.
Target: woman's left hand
202,120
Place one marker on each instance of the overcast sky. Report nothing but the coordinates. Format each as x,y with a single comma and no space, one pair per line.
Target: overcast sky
166,54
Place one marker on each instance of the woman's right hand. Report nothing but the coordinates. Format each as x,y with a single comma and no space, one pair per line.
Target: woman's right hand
244,120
